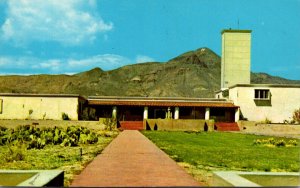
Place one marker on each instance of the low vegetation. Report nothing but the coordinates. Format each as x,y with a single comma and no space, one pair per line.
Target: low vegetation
65,116
296,116
202,153
36,138
70,149
271,142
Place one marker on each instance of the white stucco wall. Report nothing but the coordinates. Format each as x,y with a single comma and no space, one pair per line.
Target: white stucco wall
235,60
284,101
43,107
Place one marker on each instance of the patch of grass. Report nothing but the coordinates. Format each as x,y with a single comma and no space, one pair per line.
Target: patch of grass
57,157
225,151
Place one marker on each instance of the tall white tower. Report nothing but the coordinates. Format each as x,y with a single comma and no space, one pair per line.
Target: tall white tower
236,53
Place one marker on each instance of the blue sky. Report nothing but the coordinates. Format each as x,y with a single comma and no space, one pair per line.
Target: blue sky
70,36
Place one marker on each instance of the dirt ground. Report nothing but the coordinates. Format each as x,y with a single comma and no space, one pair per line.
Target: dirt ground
279,130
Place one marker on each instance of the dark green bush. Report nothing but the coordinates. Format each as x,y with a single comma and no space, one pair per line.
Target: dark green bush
65,116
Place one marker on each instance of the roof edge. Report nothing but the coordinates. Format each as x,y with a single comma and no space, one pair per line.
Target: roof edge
41,95
152,98
235,31
267,85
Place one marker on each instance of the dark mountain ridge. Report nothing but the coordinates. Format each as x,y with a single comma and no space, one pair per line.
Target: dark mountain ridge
192,74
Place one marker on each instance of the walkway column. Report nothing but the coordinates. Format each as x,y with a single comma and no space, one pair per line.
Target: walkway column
146,112
237,115
114,112
176,113
207,113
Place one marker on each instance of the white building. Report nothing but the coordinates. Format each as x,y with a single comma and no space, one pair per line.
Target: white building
260,102
257,102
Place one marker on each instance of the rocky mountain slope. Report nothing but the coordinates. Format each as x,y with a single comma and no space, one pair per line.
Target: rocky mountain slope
192,74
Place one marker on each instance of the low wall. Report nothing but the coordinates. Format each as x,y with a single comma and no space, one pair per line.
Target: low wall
52,123
285,130
179,124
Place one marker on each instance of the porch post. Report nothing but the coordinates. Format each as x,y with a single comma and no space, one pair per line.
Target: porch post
146,112
176,114
237,115
114,112
207,113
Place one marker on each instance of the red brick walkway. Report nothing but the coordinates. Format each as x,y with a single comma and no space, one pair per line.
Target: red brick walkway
133,160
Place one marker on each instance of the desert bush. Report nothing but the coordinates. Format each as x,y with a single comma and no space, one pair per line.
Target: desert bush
280,143
15,153
296,116
275,142
30,111
267,121
292,142
65,116
36,138
110,124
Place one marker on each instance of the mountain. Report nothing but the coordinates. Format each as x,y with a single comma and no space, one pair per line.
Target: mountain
192,74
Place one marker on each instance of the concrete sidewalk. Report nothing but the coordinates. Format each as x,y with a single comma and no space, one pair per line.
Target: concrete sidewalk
133,160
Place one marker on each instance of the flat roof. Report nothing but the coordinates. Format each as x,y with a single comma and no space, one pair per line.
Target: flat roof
235,31
161,101
155,98
261,85
267,85
40,95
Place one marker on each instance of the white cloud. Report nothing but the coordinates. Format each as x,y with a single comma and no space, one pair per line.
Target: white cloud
105,62
30,65
70,22
143,59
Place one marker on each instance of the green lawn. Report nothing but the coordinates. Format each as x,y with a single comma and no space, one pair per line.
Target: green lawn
225,151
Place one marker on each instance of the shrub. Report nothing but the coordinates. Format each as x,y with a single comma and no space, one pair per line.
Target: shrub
110,124
30,111
65,116
293,142
34,138
15,153
296,116
29,114
267,121
280,143
271,142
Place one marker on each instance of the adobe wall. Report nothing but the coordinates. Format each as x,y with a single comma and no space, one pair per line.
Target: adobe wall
24,107
178,124
52,123
284,130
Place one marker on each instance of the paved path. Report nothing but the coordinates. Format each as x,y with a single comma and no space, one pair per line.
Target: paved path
133,160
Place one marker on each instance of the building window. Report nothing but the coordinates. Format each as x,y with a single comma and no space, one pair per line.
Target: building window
262,94
1,102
